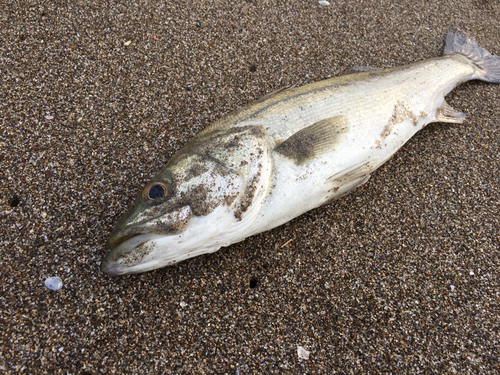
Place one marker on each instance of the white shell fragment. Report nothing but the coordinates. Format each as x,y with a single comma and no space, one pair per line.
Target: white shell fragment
302,353
322,2
127,43
53,283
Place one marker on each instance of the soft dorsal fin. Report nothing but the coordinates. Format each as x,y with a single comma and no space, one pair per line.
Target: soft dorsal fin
448,114
319,138
360,69
262,98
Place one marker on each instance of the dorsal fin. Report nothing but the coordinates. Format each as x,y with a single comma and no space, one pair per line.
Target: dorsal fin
360,69
262,98
315,140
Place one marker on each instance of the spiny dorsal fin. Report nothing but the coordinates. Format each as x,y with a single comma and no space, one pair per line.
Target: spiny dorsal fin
448,114
311,142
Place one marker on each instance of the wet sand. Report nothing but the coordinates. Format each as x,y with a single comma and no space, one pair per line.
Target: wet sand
400,276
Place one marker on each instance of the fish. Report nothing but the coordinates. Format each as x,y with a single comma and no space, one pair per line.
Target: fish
287,153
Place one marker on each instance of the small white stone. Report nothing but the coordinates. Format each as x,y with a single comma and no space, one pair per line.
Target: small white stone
302,353
323,2
127,43
452,287
471,272
53,283
183,304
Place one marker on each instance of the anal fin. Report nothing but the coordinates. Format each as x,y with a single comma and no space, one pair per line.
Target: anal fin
448,114
315,140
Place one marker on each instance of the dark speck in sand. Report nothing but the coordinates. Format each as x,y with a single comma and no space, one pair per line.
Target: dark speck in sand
253,283
14,201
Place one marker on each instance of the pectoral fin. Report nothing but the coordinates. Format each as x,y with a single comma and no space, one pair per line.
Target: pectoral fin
315,140
347,180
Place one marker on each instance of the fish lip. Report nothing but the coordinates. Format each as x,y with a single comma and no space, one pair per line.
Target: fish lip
110,268
112,263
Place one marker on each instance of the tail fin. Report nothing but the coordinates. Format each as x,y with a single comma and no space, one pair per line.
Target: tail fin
488,64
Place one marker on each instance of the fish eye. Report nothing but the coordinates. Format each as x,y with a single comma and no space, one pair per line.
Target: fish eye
156,190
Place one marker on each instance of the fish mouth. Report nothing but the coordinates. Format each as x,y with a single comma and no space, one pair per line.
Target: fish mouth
167,224
116,240
127,251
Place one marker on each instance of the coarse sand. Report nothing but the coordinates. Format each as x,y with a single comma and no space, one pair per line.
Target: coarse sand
400,276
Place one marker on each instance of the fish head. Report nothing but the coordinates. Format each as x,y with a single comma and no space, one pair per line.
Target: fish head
200,201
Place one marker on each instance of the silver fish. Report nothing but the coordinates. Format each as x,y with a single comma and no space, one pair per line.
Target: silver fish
247,172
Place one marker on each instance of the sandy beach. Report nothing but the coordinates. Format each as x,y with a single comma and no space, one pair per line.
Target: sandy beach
400,276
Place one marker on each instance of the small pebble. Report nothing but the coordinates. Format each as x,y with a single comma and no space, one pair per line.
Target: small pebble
302,353
53,283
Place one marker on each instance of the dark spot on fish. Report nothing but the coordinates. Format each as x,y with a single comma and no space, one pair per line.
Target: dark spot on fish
235,142
197,169
200,202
